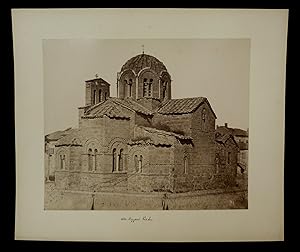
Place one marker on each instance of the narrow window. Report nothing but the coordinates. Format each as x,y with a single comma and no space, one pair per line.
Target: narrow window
130,87
150,88
100,95
145,87
185,164
62,162
229,158
105,96
95,160
164,89
140,163
136,163
121,160
90,160
114,160
94,97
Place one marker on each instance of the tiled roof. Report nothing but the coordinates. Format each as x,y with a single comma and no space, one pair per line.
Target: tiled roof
70,139
233,131
240,132
105,108
132,104
147,135
141,61
181,106
111,108
222,138
58,134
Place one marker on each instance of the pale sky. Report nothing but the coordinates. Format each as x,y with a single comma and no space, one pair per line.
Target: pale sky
214,68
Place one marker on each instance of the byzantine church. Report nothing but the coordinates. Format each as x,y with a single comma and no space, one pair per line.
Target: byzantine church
142,140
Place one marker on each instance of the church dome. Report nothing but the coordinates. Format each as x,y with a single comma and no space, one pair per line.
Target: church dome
141,61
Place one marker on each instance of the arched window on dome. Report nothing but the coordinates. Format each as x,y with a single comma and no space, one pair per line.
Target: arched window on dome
130,88
150,87
164,89
145,87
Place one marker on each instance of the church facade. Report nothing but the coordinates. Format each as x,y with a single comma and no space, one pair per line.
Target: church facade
142,140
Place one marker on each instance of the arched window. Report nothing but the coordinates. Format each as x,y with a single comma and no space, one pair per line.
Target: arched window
203,117
95,160
100,95
229,157
62,161
130,88
164,89
136,163
145,87
150,87
94,97
140,163
121,158
114,160
90,160
185,164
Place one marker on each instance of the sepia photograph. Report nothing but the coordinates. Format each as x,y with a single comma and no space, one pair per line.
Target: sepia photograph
157,124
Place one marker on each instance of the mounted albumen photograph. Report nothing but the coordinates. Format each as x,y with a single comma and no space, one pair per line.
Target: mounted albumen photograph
146,124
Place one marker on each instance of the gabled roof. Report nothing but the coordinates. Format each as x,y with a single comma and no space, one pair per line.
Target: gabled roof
105,108
132,104
183,106
112,108
70,139
156,137
54,136
223,138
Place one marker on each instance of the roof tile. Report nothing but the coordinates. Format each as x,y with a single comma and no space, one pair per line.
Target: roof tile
181,106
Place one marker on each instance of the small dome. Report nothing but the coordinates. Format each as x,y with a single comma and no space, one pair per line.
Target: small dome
141,61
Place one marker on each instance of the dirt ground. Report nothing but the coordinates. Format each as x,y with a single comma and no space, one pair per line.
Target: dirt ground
236,198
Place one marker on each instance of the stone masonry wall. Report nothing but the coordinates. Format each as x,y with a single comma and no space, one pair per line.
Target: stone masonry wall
175,122
91,181
157,164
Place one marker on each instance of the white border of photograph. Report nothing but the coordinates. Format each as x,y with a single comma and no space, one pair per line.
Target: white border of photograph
267,30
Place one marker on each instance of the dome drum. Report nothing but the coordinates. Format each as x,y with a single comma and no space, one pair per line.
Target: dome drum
144,76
